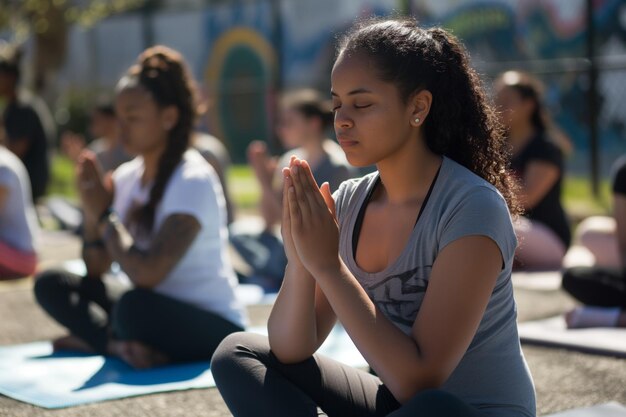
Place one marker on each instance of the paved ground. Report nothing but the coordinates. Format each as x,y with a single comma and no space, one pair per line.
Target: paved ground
563,379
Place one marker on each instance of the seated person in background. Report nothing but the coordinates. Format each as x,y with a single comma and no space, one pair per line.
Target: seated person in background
596,265
107,146
537,162
163,220
27,122
18,222
108,149
304,117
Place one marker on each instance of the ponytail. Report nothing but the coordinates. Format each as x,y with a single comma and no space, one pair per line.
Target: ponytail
461,124
163,73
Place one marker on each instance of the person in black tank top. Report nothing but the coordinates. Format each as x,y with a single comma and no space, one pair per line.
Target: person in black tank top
596,274
537,163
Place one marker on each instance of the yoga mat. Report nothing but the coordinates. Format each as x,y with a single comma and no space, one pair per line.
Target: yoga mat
611,409
538,281
554,333
32,373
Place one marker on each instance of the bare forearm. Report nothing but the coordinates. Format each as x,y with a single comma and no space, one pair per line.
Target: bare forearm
97,260
292,323
133,262
147,268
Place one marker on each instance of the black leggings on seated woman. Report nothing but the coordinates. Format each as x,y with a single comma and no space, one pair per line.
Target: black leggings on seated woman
253,382
96,310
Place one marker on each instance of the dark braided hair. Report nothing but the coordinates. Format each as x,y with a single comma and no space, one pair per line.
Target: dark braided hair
528,88
462,123
164,74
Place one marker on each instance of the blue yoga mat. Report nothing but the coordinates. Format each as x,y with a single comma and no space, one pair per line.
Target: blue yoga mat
32,373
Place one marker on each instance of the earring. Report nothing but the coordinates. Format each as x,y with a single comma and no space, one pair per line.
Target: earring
417,120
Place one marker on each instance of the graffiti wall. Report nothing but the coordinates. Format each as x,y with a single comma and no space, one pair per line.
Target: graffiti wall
241,72
245,52
548,37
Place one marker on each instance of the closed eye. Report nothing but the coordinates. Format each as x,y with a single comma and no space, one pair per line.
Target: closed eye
363,106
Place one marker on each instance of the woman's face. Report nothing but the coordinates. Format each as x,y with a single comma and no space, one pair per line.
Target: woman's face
293,128
101,124
372,122
513,109
142,128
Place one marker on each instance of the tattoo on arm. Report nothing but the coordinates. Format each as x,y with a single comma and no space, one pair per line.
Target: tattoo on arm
147,268
173,240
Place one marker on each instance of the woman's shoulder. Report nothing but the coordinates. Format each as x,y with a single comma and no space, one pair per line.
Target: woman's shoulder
128,168
194,168
462,185
470,205
354,185
350,191
10,161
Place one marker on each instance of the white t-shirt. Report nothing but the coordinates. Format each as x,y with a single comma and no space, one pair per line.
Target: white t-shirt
18,221
204,277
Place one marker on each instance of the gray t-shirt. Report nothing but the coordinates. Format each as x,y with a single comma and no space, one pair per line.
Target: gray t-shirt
109,158
18,220
492,374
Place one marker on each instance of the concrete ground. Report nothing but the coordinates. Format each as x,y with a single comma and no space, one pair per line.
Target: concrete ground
563,379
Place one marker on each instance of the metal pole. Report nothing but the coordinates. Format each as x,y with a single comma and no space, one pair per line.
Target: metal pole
147,12
593,101
277,35
278,82
406,7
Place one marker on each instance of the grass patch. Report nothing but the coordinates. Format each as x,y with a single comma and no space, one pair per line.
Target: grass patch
243,187
579,201
245,191
62,181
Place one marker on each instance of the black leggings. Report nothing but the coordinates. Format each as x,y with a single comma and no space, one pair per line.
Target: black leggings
254,383
602,287
96,310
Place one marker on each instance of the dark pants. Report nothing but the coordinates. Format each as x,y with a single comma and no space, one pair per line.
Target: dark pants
265,254
96,311
254,383
602,287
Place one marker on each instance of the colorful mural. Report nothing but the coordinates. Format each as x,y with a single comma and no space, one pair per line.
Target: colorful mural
548,37
241,73
244,52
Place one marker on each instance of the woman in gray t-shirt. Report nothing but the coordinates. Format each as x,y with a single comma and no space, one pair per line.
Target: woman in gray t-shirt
414,260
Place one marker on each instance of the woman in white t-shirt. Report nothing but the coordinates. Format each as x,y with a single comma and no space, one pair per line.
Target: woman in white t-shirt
162,218
18,221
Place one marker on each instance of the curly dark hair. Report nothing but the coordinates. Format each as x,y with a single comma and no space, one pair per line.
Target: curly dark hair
164,73
462,123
